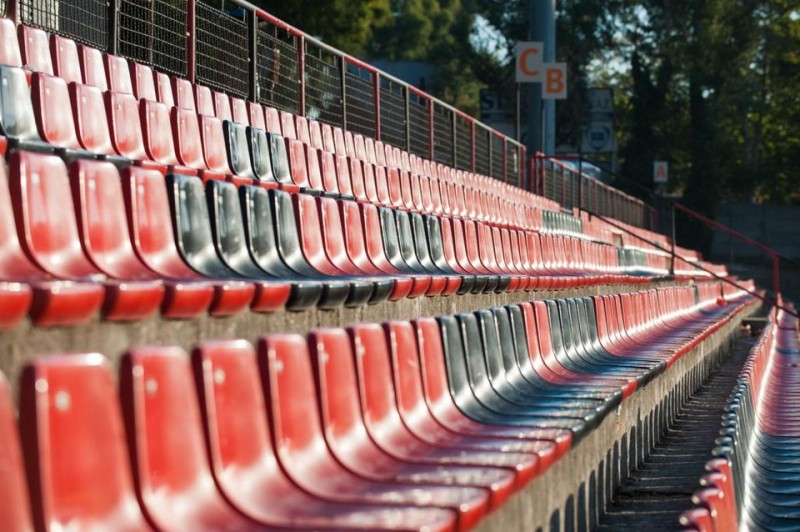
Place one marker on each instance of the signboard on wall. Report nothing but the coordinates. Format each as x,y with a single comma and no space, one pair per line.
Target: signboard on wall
660,172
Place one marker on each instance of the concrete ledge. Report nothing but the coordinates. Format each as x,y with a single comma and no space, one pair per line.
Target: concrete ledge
26,341
571,494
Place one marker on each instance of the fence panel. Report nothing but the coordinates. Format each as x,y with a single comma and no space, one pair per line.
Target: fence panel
323,79
420,122
482,150
360,100
153,32
443,135
513,164
463,143
82,20
497,157
222,51
393,113
277,68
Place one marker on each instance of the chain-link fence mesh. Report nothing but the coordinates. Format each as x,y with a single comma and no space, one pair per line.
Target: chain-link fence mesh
277,68
393,113
153,32
360,100
323,85
497,158
443,135
85,21
420,124
463,143
222,50
513,164
482,158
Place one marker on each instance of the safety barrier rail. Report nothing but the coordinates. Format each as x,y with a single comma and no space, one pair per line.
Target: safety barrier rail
234,47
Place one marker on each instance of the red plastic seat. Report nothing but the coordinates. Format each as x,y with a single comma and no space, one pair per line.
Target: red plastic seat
189,147
240,111
73,435
10,54
214,152
157,137
243,459
183,91
119,75
349,441
125,129
164,89
153,240
50,98
162,418
204,100
92,68
52,302
35,49
256,115
222,106
143,82
291,399
16,514
46,222
273,121
90,120
103,226
66,64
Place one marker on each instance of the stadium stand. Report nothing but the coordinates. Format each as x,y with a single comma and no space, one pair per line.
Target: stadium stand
135,195
751,482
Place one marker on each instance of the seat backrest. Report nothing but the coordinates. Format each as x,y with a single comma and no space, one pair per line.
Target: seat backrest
66,64
50,99
279,158
46,215
240,111
35,48
164,89
186,131
10,54
166,441
90,119
256,114
193,226
13,262
103,226
287,125
222,106
184,93
157,132
125,126
92,68
227,228
147,208
260,230
260,154
68,403
236,146
119,75
16,514
16,110
402,344
213,138
205,101
273,120
143,82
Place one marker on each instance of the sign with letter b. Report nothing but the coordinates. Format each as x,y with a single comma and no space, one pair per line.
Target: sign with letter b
555,82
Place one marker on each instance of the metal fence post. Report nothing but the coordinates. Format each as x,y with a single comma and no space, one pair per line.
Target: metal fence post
407,95
301,71
472,136
191,40
343,76
431,130
674,232
113,27
252,40
376,78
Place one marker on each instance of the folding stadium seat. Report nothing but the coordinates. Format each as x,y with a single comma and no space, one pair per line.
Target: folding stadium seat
50,98
47,225
414,253
66,63
119,74
239,111
92,68
35,49
157,136
25,287
9,44
243,459
100,210
17,120
205,100
164,92
266,248
286,374
163,425
195,243
183,91
13,488
143,82
125,130
222,106
68,404
238,151
349,441
256,115
91,124
273,121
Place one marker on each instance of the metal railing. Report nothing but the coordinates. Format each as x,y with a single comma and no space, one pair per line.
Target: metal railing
234,47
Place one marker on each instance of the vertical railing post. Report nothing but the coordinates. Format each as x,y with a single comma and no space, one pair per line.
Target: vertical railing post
12,10
580,184
408,117
343,77
455,138
431,129
112,20
191,40
674,233
252,40
776,275
301,72
505,160
474,142
376,94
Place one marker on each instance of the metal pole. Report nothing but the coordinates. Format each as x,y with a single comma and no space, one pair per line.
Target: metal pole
672,258
113,27
252,39
541,116
301,72
191,40
376,78
776,275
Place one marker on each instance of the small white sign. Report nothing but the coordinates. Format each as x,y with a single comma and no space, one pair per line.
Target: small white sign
660,172
554,84
529,62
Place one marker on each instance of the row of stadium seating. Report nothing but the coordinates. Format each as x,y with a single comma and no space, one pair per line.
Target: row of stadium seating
295,215
428,424
752,481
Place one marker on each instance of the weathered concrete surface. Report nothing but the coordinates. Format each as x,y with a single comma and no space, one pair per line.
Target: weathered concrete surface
571,494
112,339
